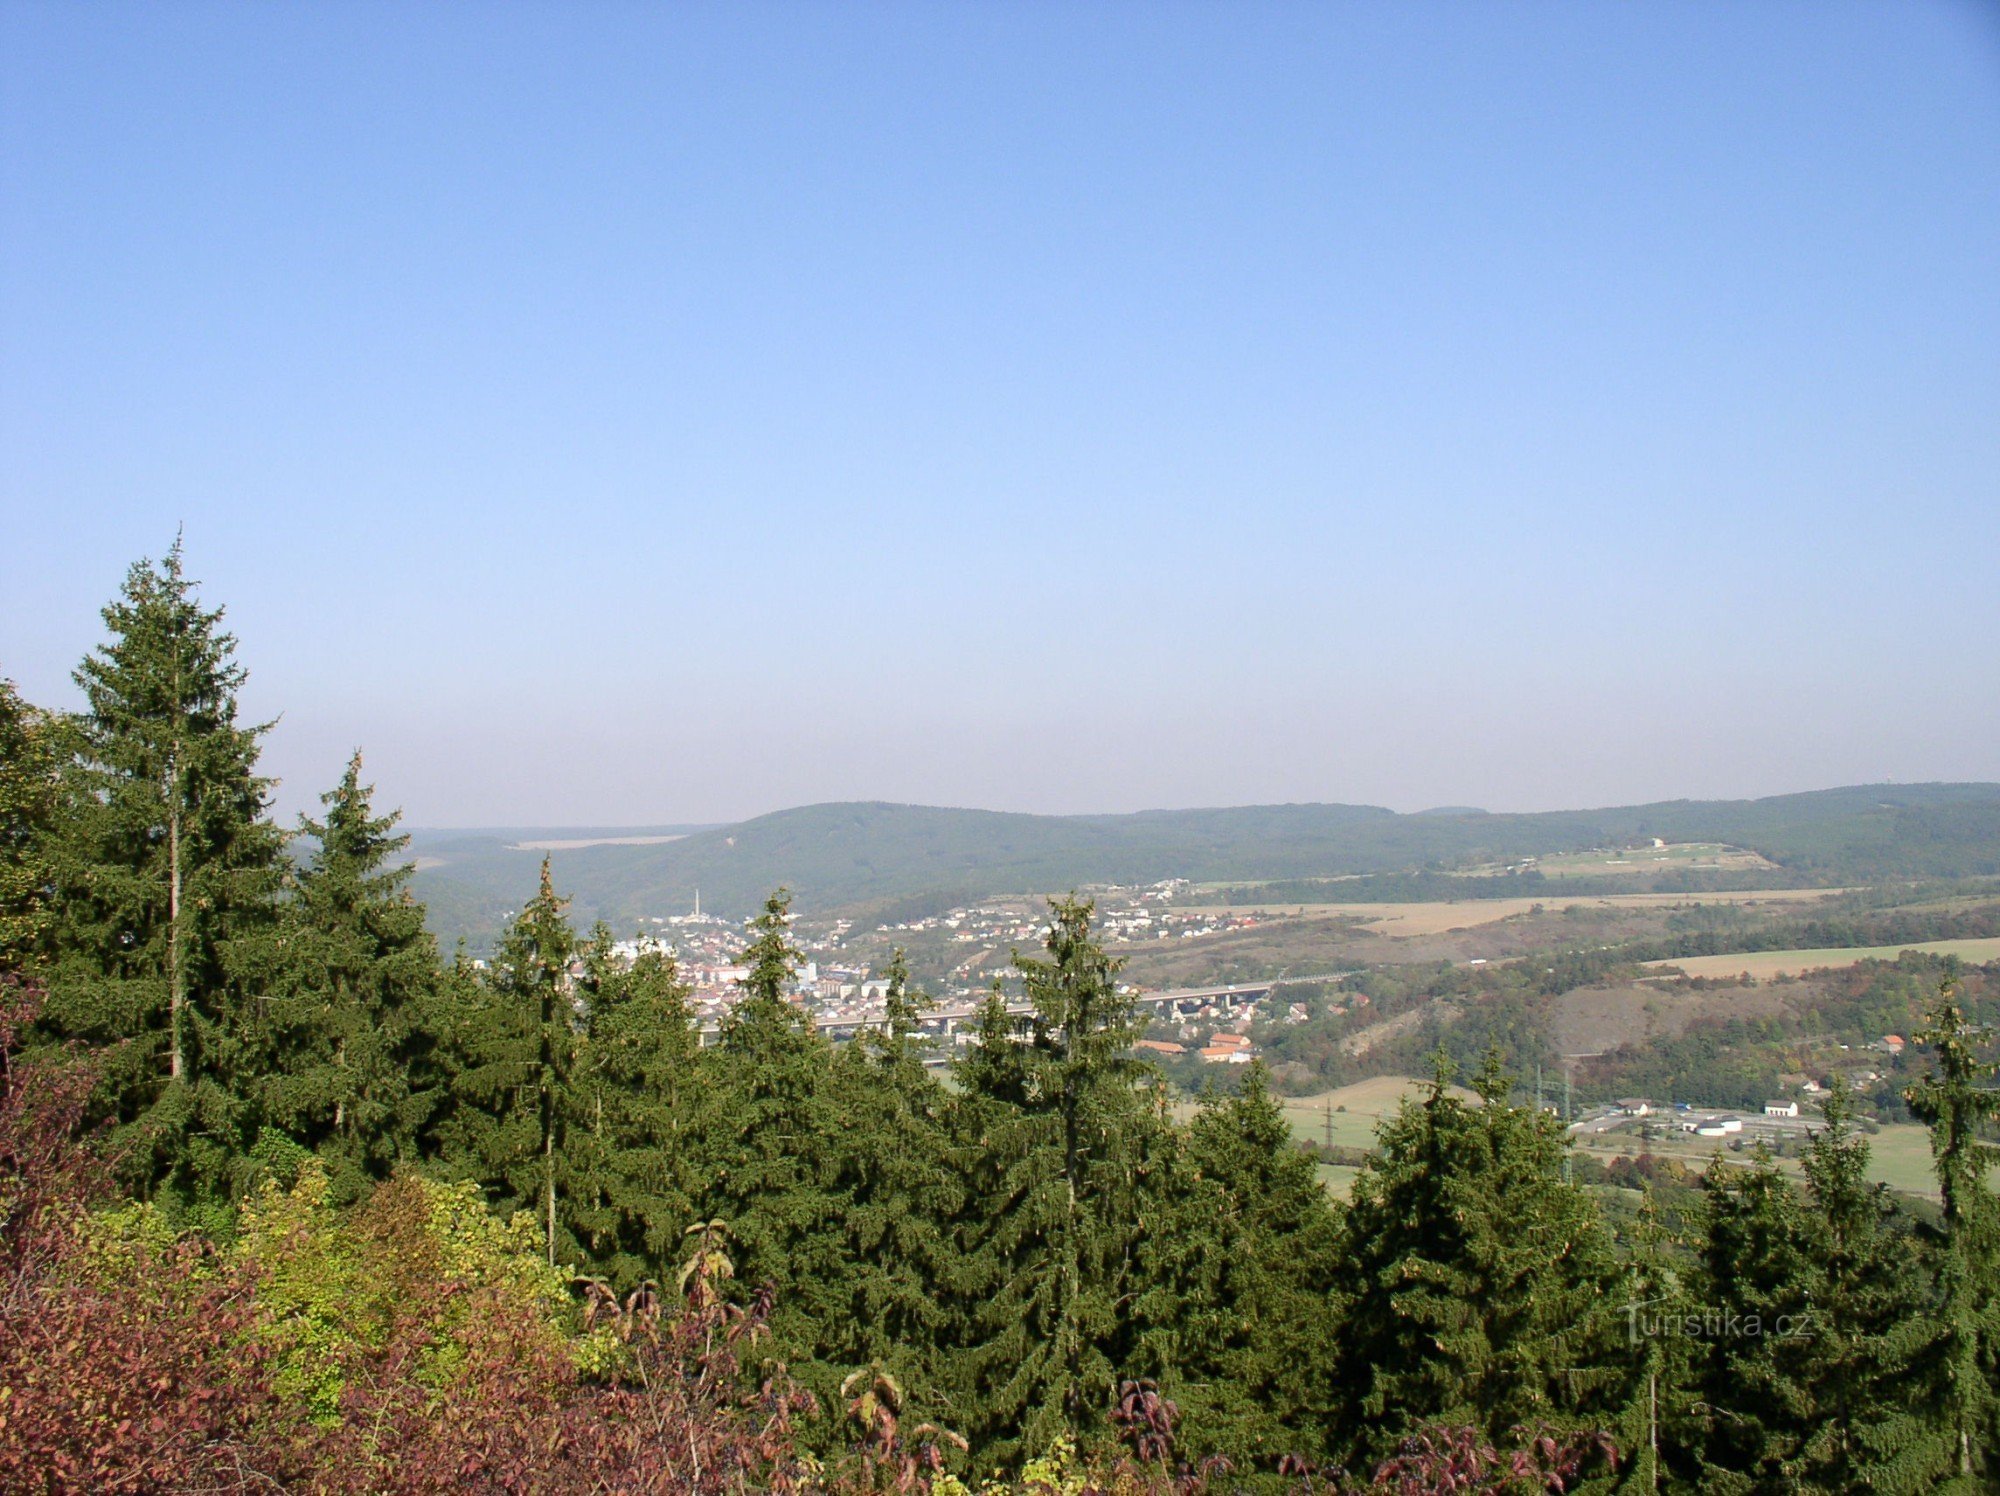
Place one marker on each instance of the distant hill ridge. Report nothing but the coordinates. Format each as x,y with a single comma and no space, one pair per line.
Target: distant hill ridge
851,852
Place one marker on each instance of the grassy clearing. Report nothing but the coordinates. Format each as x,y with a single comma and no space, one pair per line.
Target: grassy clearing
1763,965
1898,1156
1678,857
1338,1180
1366,1103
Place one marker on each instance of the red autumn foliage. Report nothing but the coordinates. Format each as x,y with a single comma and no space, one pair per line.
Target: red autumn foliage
1463,1462
140,1383
153,1379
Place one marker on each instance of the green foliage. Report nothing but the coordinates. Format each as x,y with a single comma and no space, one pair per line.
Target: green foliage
900,1194
1251,1244
1877,1356
1758,1270
518,1039
1960,1112
29,804
772,1160
1480,1284
343,1053
1064,1119
167,870
334,1286
637,1110
313,1287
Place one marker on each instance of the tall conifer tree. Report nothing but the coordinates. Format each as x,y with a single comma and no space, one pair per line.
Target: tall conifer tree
773,1163
518,1048
1960,1110
347,1066
638,1113
1660,1426
1064,1122
169,870
1756,1376
1251,1346
899,1198
1482,1282
1876,1356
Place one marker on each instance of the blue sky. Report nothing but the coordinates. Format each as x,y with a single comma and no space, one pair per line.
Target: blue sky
619,413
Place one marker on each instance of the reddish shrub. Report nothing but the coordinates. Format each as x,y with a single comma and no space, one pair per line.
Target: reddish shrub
137,1382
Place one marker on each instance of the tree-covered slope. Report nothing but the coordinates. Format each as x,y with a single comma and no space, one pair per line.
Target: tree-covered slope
838,854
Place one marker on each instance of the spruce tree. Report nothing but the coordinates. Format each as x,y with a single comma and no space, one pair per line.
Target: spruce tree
638,1113
993,1069
347,1063
1064,1123
1960,1111
899,1199
28,811
772,1161
455,1134
518,1042
167,875
1876,1357
1254,1235
1661,1423
895,1045
1757,1330
1483,1289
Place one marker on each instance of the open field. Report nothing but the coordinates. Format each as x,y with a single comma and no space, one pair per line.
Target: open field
1404,920
1338,1179
1678,857
1763,965
1355,1110
1367,1103
1898,1156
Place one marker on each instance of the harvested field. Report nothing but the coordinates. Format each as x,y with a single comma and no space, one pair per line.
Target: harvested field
1764,965
1401,921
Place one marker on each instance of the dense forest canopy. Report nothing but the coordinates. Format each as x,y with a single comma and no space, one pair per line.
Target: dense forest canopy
291,1199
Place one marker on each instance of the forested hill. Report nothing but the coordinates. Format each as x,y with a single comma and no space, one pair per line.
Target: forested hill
832,855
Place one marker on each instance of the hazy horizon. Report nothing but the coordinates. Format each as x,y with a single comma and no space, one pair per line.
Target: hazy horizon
680,828
612,417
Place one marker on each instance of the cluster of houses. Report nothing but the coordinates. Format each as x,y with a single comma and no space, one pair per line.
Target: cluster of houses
1223,1048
